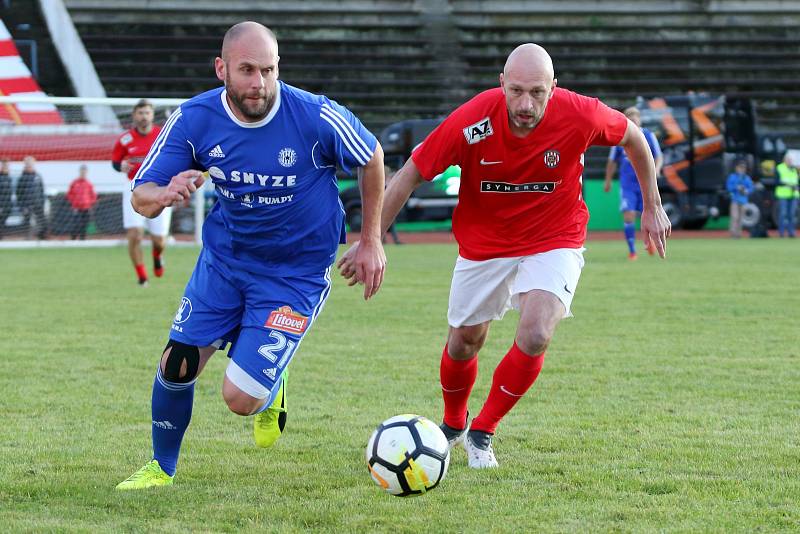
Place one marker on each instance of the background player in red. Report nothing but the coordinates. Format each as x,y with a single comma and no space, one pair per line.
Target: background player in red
128,154
520,225
82,198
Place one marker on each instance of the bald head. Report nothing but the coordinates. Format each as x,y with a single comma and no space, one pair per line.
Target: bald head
634,115
249,67
528,83
250,33
529,59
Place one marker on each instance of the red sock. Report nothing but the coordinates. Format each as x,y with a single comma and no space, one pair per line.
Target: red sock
457,378
514,375
141,271
158,267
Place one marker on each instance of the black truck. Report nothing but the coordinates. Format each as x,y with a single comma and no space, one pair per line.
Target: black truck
431,201
702,136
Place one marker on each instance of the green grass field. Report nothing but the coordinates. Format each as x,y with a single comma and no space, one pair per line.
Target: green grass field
669,403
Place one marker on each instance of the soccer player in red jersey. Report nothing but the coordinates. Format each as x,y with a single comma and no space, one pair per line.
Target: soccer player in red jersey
128,154
520,225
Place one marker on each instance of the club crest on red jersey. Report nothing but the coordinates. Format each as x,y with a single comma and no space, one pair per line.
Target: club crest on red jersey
479,131
551,159
287,320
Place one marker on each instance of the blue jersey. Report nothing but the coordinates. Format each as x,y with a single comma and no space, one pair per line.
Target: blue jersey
278,211
627,176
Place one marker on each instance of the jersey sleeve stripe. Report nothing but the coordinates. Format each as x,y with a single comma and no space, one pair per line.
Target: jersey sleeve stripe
346,131
348,128
354,143
158,145
359,156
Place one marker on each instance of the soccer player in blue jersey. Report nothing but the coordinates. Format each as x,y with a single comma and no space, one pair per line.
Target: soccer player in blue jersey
630,192
263,274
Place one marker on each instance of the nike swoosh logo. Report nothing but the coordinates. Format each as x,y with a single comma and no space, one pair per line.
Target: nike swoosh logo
504,390
483,162
451,390
567,289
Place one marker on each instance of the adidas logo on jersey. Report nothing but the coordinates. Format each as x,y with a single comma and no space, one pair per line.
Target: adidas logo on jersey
217,152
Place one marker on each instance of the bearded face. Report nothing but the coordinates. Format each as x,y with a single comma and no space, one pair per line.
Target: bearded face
253,100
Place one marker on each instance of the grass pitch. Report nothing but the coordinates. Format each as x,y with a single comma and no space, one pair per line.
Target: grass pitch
668,403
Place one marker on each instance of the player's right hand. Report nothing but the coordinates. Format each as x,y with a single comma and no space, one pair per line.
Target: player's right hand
124,167
180,188
655,228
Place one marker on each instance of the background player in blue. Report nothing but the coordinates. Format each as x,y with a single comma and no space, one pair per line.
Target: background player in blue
630,192
263,273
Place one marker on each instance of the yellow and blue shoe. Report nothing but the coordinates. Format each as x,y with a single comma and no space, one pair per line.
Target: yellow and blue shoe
149,476
269,424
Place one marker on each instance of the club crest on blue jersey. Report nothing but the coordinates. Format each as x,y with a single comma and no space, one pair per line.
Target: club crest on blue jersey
287,157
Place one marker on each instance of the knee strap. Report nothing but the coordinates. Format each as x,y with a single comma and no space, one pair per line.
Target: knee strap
180,353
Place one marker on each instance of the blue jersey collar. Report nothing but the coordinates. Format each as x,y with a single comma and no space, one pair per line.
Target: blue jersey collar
262,122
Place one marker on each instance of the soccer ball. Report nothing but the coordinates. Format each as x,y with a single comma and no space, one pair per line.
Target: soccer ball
407,455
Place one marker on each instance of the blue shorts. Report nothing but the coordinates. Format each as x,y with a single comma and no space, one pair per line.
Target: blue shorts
631,200
264,318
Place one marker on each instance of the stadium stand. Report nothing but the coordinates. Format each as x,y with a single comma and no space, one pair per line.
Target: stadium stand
393,60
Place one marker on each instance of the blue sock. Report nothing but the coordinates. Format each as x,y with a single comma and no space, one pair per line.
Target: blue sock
172,411
630,237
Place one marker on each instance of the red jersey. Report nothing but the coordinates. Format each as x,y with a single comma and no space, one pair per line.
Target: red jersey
81,194
133,147
519,196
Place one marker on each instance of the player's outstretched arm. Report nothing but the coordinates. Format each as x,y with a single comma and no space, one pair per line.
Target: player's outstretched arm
370,259
400,187
150,199
655,224
611,168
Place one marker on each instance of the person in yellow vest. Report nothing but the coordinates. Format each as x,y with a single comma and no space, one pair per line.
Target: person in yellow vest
787,193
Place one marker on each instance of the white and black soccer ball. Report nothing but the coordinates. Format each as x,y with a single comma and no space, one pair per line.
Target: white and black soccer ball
407,455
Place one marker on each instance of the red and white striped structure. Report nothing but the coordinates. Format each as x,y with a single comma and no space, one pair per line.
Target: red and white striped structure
16,79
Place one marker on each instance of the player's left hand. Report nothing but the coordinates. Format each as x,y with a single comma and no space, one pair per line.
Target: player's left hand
656,228
347,266
364,263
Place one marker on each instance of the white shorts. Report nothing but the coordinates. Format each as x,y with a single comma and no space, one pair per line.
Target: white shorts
130,219
485,290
